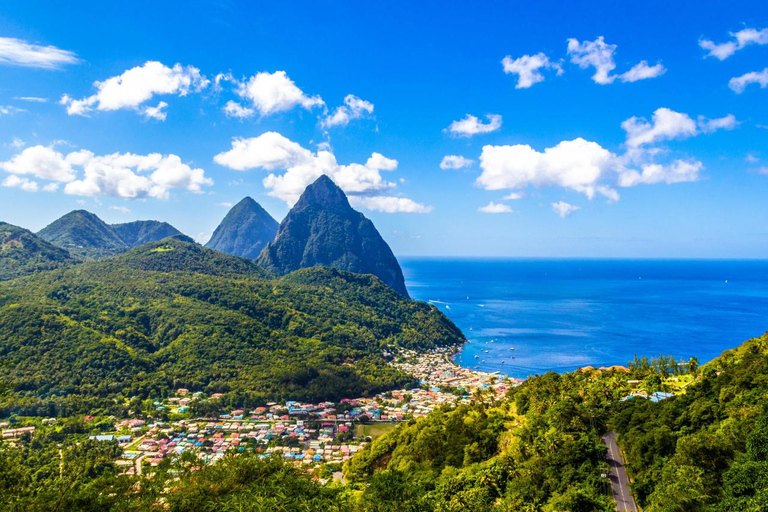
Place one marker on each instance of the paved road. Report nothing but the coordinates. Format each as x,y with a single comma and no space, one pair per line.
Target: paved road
618,475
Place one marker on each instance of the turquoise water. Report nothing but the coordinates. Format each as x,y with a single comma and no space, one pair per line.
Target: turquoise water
559,315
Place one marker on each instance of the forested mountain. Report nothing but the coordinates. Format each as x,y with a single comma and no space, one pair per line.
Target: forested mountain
140,232
22,253
245,230
706,449
322,229
84,234
173,314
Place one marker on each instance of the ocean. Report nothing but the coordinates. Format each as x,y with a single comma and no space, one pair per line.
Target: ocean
530,316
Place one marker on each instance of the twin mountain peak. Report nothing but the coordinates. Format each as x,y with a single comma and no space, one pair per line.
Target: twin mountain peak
321,229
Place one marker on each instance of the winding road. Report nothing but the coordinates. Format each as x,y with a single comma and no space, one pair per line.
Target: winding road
618,475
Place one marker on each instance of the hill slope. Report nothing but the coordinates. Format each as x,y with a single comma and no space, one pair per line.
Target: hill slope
245,230
173,314
23,253
140,232
84,234
322,229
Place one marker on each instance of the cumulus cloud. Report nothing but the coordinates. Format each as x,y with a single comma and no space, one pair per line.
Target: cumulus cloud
24,184
136,86
495,208
642,71
353,108
119,174
599,55
271,151
728,122
17,52
576,164
527,68
739,83
235,109
455,162
271,93
679,171
741,39
121,209
666,124
157,112
390,204
564,209
514,196
471,125
42,162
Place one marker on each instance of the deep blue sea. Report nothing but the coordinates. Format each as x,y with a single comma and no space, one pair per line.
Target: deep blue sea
561,314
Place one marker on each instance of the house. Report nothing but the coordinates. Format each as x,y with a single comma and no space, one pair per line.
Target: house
17,432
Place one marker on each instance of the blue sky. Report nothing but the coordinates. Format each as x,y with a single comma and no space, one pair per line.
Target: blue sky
615,129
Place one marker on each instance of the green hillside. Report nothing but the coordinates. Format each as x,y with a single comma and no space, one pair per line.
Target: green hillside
173,314
22,253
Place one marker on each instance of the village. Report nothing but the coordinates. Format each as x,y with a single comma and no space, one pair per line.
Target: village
305,433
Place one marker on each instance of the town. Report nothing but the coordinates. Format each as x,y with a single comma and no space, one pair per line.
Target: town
304,433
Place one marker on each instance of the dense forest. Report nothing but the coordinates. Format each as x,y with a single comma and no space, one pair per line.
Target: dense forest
173,314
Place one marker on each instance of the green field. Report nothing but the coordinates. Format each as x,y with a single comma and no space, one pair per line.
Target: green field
375,430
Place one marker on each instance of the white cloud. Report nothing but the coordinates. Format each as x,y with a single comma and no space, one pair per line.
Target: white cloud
119,174
121,209
157,112
471,125
226,204
24,184
728,122
679,171
271,151
514,196
390,204
33,99
455,162
742,38
752,159
599,55
42,162
564,209
136,86
495,208
353,108
527,68
577,164
235,109
17,143
666,124
6,110
274,92
17,52
739,83
642,71
51,187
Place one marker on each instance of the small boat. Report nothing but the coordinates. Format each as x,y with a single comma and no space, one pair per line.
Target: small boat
476,357
486,351
513,348
503,362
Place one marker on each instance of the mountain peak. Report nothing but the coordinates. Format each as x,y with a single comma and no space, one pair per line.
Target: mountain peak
84,234
322,229
325,193
23,253
245,230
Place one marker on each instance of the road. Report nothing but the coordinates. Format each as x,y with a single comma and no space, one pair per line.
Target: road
618,475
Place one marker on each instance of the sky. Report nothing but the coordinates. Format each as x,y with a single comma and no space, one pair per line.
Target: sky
503,129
